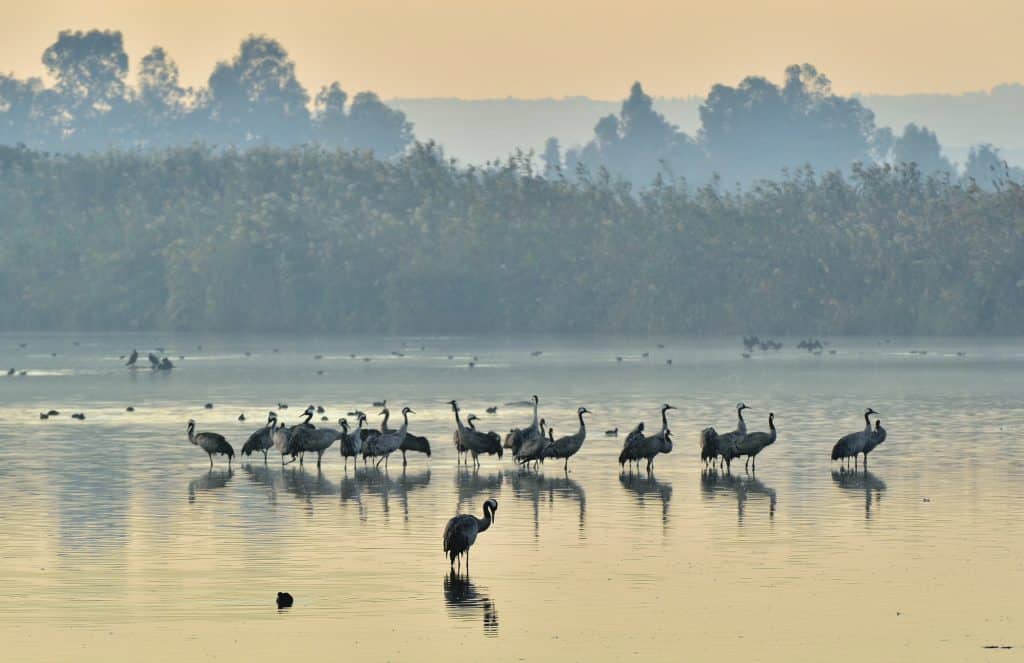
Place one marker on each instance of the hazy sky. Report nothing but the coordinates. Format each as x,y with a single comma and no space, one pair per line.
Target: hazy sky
539,48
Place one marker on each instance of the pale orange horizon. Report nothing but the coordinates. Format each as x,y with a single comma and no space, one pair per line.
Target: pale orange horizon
532,49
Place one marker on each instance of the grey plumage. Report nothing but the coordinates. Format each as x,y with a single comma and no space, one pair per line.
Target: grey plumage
631,445
472,441
567,446
211,443
351,443
261,439
754,443
853,444
725,446
877,437
389,442
461,531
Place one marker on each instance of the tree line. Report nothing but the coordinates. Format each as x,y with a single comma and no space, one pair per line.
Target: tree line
252,99
311,239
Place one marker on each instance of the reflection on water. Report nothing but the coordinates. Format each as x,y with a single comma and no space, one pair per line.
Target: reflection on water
467,602
471,483
534,488
96,533
207,481
646,487
863,482
713,482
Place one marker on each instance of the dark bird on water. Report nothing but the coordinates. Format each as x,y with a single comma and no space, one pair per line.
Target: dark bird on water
284,600
211,443
133,358
461,531
261,440
853,444
754,443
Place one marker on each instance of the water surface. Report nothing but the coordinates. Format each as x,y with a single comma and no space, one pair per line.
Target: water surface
120,541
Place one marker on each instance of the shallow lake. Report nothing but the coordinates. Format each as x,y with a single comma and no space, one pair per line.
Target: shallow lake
119,541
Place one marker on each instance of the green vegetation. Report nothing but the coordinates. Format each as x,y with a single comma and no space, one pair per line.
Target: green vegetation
313,240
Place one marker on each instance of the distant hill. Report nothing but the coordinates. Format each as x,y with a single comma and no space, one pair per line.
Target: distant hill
475,131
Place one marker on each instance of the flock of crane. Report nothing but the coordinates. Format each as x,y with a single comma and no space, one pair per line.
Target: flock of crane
530,445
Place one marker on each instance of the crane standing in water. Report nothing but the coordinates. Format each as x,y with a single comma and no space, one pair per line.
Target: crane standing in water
461,531
754,443
211,443
853,444
876,438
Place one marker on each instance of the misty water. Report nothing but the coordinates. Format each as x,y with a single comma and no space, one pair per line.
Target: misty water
119,540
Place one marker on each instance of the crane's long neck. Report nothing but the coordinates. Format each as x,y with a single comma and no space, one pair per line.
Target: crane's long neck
458,421
536,422
664,420
384,424
867,422
741,426
771,427
405,423
485,522
583,426
192,433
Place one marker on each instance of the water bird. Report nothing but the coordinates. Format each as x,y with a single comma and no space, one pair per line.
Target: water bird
52,413
241,417
461,531
618,359
282,406
668,361
877,437
492,410
389,442
516,437
78,415
536,353
416,443
612,432
10,371
383,403
629,447
470,440
261,439
284,600
211,443
154,361
208,406
318,441
645,355
44,416
129,409
351,443
566,447
853,444
754,443
714,446
134,357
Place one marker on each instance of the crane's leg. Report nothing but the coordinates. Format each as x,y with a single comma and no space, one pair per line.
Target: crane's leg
746,465
264,457
404,461
856,458
319,456
211,460
753,460
566,467
865,461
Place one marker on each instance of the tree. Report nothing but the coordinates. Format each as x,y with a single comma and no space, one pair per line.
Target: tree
919,145
552,158
331,122
160,101
376,127
256,98
987,169
756,129
91,94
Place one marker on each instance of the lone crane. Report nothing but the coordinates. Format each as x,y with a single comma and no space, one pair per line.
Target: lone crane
461,531
211,443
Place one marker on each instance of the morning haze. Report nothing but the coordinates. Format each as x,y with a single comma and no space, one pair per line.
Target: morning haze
473,50
630,292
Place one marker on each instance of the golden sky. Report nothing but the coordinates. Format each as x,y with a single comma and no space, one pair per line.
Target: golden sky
542,48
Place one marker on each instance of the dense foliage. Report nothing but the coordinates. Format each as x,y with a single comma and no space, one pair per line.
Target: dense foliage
315,240
253,99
